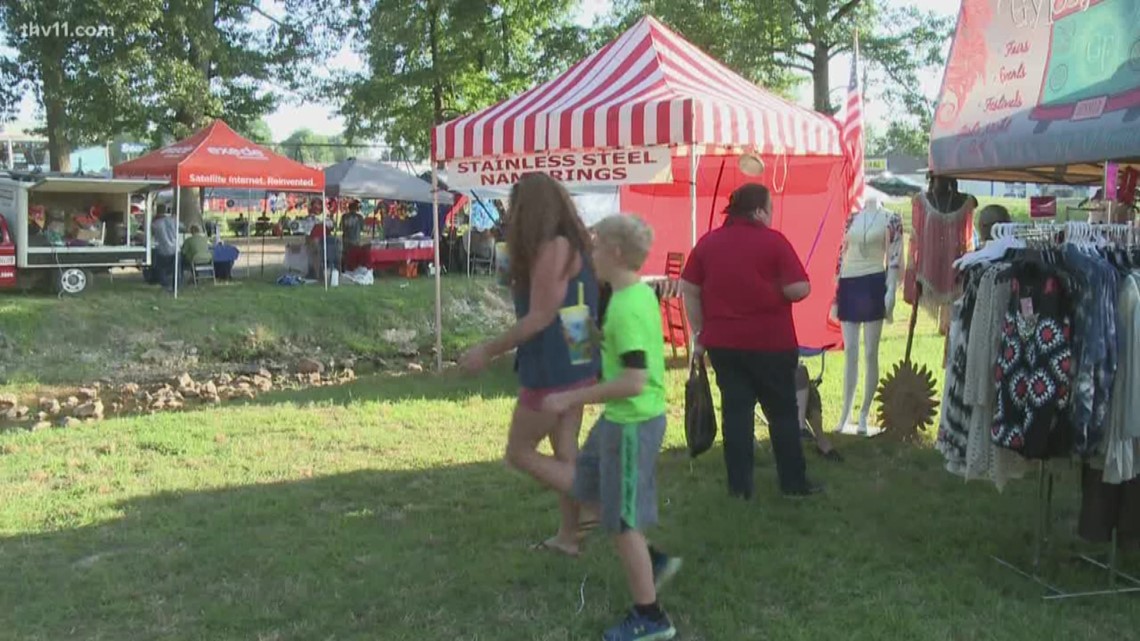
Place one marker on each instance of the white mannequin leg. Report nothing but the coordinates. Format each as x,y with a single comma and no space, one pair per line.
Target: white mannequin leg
871,334
851,370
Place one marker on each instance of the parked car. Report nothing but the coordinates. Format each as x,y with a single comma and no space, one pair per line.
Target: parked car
897,186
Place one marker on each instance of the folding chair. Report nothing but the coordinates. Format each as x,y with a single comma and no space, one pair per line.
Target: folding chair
203,271
478,263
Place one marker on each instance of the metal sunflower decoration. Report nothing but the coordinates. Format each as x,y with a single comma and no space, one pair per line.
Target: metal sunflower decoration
906,395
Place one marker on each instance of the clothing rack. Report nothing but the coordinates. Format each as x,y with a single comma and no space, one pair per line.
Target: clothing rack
1080,233
1041,538
1072,231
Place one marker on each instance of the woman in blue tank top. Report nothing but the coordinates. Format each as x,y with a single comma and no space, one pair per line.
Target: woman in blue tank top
556,305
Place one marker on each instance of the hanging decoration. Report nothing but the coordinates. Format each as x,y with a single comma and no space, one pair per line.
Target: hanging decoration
401,211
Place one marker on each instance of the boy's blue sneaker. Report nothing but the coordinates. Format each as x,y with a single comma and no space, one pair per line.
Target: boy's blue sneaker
664,569
641,628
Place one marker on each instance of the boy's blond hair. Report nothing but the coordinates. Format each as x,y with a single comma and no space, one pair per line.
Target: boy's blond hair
629,234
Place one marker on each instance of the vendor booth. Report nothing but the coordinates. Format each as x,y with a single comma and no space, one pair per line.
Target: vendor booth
483,216
404,213
217,156
1045,94
658,119
1045,99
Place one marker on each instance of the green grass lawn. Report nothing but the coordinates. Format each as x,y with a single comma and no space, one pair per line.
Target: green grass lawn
381,510
45,340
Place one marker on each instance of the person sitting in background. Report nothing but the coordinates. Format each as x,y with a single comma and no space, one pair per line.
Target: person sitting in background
987,218
264,225
196,249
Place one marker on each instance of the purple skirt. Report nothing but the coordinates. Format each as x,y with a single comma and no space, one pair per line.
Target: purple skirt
862,299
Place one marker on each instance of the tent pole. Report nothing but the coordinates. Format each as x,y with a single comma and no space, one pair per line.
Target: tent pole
716,191
325,241
438,277
693,193
248,232
177,226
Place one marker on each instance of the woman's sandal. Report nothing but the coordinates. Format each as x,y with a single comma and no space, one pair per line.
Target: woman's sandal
586,527
553,545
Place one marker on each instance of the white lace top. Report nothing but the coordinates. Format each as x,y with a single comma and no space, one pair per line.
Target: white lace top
872,244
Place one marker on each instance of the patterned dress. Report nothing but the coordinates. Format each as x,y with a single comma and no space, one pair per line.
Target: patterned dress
1035,369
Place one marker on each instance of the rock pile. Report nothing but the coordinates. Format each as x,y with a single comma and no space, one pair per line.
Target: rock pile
100,400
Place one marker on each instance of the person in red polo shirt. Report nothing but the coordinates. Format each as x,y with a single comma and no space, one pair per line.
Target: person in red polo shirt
739,285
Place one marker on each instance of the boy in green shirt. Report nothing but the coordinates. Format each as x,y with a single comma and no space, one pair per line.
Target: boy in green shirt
615,470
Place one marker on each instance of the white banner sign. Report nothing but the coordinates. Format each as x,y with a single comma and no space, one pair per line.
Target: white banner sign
622,167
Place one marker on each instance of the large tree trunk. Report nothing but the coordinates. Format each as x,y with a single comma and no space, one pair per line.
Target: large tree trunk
55,115
190,200
821,79
191,116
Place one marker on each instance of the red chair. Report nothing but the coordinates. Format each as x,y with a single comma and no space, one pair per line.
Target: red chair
673,305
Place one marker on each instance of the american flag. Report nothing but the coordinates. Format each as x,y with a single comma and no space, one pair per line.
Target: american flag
853,133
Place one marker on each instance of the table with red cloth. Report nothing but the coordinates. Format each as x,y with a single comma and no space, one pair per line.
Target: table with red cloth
381,257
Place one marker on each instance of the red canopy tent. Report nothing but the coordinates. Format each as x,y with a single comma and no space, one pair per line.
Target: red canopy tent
217,156
652,109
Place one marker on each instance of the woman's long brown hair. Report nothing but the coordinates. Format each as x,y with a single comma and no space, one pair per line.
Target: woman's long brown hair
541,210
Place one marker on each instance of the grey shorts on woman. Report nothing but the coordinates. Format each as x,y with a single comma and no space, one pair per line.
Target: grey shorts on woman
616,470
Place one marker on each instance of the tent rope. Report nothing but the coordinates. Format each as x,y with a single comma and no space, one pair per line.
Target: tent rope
777,184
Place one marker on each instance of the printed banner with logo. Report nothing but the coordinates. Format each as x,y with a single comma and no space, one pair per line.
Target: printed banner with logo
1039,83
218,157
647,166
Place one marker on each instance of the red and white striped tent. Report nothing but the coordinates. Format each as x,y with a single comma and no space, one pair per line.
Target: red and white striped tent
649,87
653,92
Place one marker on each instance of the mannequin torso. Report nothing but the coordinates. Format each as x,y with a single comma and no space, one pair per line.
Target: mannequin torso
871,244
867,275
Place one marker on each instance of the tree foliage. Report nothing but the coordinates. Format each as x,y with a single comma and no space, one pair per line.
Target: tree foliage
161,68
258,131
305,145
904,45
745,35
779,43
232,59
432,60
908,137
85,83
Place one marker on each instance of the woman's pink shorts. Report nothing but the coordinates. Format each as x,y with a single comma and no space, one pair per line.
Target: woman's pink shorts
531,399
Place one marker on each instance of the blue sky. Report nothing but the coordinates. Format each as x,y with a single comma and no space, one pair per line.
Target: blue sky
322,118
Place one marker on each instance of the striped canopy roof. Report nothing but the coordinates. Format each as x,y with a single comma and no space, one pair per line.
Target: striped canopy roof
649,87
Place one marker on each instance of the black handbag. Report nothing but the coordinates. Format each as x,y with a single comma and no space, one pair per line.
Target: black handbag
700,415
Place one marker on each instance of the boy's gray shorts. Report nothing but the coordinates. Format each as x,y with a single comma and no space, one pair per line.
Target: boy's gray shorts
616,469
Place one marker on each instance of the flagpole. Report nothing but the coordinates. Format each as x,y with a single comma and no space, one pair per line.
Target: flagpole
852,134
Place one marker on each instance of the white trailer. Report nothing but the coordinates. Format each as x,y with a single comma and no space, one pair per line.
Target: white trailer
58,230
